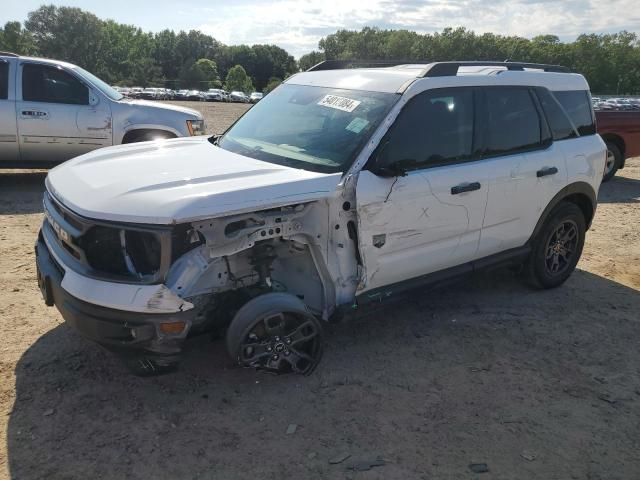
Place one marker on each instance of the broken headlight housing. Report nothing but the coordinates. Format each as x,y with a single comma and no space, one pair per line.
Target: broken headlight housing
122,251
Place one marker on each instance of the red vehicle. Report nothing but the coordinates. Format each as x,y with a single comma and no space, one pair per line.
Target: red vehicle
621,132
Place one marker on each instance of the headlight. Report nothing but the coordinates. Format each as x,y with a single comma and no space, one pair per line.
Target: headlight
196,127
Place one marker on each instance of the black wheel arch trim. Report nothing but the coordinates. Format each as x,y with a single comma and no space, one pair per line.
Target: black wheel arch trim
577,188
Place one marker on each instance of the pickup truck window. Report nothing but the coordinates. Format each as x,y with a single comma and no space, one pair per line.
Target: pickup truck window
578,106
105,88
4,80
41,83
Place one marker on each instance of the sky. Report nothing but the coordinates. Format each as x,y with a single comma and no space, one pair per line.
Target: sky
298,25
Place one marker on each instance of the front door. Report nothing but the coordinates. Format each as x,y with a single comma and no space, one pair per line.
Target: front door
59,117
429,219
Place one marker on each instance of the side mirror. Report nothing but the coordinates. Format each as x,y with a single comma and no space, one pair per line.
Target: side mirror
93,98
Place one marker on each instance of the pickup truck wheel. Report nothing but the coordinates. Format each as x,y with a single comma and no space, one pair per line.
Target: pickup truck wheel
614,160
277,333
557,248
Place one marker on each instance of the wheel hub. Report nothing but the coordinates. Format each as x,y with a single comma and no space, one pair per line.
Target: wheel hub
562,242
282,343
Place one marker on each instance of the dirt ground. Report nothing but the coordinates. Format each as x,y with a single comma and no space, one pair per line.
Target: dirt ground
536,385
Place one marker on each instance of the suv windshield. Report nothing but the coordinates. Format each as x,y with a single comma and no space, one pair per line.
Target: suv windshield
105,88
313,128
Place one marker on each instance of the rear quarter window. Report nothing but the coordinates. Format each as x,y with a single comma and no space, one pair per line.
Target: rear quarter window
561,126
578,106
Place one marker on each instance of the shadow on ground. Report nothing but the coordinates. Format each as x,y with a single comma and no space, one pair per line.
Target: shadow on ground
620,189
537,384
21,192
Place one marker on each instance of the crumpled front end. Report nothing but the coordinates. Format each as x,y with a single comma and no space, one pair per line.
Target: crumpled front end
106,281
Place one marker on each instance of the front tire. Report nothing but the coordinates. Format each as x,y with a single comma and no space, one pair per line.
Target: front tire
614,160
277,333
557,247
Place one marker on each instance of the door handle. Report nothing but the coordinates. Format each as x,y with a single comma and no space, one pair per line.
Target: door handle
33,114
465,187
543,172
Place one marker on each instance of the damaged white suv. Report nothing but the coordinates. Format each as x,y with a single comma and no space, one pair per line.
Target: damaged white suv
341,188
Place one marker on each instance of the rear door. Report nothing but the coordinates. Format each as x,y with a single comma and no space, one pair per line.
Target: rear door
58,115
527,168
429,219
9,151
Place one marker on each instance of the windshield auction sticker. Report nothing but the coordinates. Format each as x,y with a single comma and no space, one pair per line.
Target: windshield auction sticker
339,103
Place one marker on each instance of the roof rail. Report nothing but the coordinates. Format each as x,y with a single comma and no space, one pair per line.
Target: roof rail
340,64
8,54
435,69
447,69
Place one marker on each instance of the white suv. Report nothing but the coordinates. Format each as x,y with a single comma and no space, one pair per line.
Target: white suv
341,188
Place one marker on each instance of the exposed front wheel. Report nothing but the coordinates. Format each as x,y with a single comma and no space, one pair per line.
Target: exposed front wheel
614,160
275,332
557,247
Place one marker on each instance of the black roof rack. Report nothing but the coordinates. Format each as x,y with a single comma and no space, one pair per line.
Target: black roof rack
435,69
8,54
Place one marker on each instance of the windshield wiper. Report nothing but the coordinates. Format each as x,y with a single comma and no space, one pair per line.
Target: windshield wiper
213,139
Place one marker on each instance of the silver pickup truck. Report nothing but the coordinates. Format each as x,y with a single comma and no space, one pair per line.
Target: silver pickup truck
51,111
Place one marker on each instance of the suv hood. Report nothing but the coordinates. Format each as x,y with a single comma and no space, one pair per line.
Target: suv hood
178,180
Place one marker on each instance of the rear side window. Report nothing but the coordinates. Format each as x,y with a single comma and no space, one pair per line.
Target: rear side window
41,83
561,127
435,127
4,80
513,123
578,107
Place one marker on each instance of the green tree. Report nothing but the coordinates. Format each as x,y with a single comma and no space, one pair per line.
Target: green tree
13,38
66,33
237,79
310,59
273,83
200,75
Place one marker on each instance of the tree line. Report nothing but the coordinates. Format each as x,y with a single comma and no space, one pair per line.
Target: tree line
610,62
126,55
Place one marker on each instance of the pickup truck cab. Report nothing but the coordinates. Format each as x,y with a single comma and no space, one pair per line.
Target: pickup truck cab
620,129
51,111
341,188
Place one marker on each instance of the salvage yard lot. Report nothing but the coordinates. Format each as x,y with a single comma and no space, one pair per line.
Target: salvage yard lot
536,385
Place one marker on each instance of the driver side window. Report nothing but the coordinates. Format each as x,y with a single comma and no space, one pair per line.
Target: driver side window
434,128
42,83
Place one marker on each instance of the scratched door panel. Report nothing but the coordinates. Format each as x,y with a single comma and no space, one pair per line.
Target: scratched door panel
414,225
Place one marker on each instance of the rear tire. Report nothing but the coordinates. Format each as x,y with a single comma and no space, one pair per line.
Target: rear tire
557,247
614,160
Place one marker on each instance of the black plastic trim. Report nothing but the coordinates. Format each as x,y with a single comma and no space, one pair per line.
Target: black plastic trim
582,188
441,277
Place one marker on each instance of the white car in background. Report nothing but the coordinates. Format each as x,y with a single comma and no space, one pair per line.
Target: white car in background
51,111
